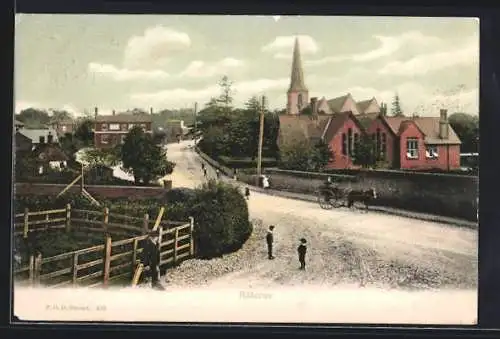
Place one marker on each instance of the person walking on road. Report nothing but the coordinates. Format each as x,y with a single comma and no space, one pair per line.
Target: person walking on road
302,249
247,193
270,241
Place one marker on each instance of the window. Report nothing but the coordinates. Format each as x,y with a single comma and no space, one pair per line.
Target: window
104,127
63,128
383,150
431,152
130,126
350,139
412,148
124,127
378,142
114,127
105,139
344,144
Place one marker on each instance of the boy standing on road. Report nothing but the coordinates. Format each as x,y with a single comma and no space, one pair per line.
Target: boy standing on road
270,241
247,193
302,249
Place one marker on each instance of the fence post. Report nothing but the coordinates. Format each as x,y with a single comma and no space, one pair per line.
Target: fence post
191,238
176,236
107,261
38,268
26,223
75,268
134,255
160,240
105,218
68,218
32,269
145,225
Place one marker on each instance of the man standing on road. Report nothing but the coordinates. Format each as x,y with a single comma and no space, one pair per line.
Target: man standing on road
247,193
302,249
270,241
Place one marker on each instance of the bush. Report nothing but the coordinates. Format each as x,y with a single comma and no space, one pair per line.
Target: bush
246,162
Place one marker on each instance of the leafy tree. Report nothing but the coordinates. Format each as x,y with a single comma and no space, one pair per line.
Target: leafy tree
396,110
253,104
467,128
321,156
143,158
227,93
103,157
70,144
296,157
307,111
84,133
364,152
33,117
159,136
60,115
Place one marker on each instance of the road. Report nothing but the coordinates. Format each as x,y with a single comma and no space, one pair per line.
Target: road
345,247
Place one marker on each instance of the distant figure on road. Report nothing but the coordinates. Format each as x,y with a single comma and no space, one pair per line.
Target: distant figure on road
202,166
247,193
265,181
302,249
217,173
270,241
235,174
205,172
152,258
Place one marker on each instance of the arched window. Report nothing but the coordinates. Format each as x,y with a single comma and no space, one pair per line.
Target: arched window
299,100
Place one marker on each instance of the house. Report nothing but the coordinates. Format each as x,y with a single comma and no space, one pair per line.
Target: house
416,143
64,126
111,130
49,156
28,139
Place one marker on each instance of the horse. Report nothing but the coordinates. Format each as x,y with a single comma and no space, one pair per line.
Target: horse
363,196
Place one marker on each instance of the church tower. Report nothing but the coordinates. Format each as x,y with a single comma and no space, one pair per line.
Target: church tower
298,94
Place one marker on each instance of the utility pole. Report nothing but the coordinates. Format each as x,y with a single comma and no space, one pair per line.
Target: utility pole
195,132
261,138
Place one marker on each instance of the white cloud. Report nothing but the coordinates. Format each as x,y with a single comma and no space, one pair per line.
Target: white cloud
154,47
282,46
388,45
22,105
124,74
178,97
425,63
201,69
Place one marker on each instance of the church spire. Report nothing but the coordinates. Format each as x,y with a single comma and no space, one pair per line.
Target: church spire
297,77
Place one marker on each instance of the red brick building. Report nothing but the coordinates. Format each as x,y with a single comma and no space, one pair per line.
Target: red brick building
111,130
416,143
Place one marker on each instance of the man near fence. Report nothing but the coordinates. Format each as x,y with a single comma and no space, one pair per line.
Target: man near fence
152,258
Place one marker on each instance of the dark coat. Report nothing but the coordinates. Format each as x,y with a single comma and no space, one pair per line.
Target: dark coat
269,238
151,254
247,191
302,249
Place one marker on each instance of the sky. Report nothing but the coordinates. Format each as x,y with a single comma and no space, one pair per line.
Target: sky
78,62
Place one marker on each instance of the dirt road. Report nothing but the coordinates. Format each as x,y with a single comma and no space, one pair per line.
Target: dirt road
344,247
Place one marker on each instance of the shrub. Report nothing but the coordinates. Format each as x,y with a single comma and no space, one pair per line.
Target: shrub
221,217
246,162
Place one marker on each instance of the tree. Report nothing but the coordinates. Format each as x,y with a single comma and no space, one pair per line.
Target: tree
34,117
84,133
253,104
321,156
143,158
396,110
227,92
364,152
296,156
466,126
101,157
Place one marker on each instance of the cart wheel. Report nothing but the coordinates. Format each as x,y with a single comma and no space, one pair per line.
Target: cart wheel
323,203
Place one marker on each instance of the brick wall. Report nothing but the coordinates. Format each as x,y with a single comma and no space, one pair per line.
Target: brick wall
98,191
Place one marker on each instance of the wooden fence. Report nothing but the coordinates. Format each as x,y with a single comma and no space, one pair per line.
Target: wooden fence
104,264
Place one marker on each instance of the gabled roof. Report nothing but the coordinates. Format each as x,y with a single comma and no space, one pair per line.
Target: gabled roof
35,134
125,118
305,127
337,121
363,105
366,119
429,126
49,152
337,103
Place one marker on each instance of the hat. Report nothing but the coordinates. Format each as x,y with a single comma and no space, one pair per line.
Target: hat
271,227
303,240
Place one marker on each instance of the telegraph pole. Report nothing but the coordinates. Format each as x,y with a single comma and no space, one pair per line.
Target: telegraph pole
261,137
195,123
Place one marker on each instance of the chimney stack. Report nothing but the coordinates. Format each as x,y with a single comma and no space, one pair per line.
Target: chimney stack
443,124
50,138
114,112
151,110
96,112
314,105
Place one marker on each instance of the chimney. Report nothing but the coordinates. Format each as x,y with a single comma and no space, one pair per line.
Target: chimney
151,110
96,112
50,138
314,105
114,112
41,139
443,124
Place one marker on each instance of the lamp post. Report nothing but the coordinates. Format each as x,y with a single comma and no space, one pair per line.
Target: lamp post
261,139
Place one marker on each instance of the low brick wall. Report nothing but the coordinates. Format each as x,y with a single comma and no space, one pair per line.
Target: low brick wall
440,194
102,191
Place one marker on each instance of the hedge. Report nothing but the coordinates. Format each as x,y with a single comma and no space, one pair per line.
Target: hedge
246,162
